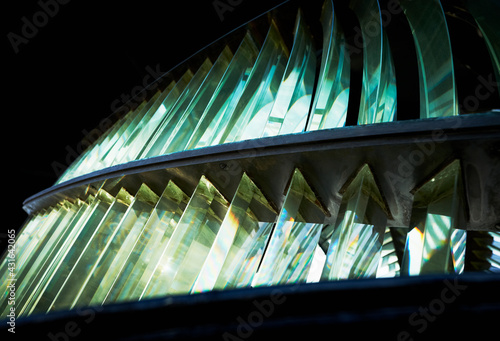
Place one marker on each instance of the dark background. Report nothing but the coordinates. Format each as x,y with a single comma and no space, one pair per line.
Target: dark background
63,81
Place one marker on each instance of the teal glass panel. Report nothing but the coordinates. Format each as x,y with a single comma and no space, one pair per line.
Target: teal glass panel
226,96
378,93
250,115
134,144
435,245
240,224
435,60
96,160
162,114
356,243
186,125
486,15
117,250
141,262
293,100
332,92
295,237
160,139
190,243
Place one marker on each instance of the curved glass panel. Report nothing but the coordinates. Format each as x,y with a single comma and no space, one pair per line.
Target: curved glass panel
332,92
291,107
255,104
435,60
378,93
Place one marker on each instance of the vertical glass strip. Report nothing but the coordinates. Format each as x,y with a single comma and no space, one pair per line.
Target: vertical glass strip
242,271
61,214
240,223
389,262
134,144
190,242
435,59
93,251
332,93
23,237
356,243
116,251
294,239
114,155
436,207
293,100
148,248
250,115
186,125
95,154
226,96
163,134
151,129
36,272
65,262
44,274
378,93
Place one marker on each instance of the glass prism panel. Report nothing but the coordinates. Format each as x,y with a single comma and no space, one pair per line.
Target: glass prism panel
389,261
58,270
62,215
332,92
435,60
356,243
35,273
227,95
293,100
186,125
250,115
116,251
436,208
240,225
122,135
91,254
190,242
295,237
142,132
62,269
162,114
378,93
140,264
156,145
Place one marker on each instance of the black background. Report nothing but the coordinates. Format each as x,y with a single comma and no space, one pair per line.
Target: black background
63,81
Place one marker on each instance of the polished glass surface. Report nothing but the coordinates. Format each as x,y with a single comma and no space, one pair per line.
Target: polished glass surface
190,242
332,98
236,235
378,93
356,243
435,59
227,95
294,239
291,106
255,104
436,244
